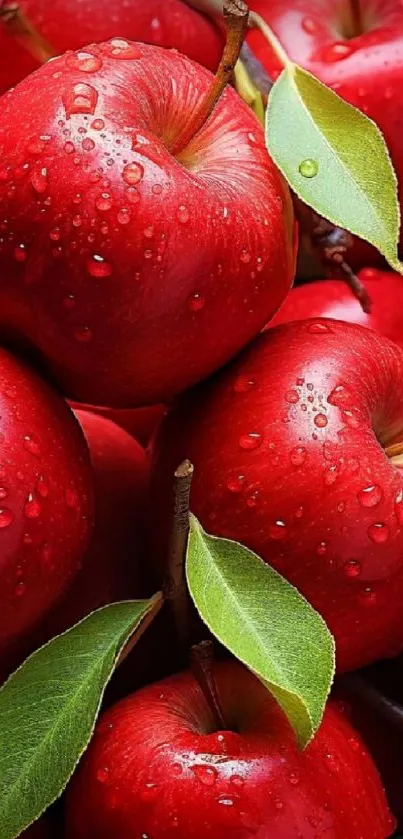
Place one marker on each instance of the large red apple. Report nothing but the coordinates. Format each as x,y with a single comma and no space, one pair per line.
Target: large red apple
158,767
46,498
136,271
166,23
289,447
355,47
333,299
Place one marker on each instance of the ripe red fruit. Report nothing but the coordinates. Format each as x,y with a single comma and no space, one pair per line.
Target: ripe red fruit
158,767
46,498
289,448
120,259
333,299
361,59
141,423
166,23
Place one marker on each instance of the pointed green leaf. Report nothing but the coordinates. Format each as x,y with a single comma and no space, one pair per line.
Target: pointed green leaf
48,709
265,623
335,159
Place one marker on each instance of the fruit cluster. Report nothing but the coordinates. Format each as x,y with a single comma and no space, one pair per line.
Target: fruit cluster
148,246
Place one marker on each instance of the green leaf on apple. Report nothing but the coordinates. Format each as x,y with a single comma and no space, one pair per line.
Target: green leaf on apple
48,709
264,621
335,159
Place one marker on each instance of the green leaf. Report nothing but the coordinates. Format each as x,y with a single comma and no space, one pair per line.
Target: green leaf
48,709
265,623
309,127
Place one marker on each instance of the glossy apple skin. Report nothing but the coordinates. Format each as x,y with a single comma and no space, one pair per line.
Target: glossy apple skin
46,498
158,767
165,23
120,274
287,461
333,299
140,423
366,70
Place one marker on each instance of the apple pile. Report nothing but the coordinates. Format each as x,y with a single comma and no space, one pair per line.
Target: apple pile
148,246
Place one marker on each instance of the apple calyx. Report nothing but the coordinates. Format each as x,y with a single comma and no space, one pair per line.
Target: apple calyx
202,666
236,14
19,27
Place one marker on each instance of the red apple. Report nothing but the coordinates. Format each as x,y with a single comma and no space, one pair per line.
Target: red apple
333,299
119,259
289,447
46,498
166,23
158,767
141,423
359,55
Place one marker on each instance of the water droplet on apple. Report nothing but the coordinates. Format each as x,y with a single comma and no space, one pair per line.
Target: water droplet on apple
378,533
6,517
104,202
308,168
245,256
351,418
88,144
87,62
83,334
294,778
253,499
278,530
71,498
98,124
320,420
124,216
69,301
352,568
39,180
321,550
148,253
337,52
81,99
32,446
251,441
318,328
77,221
226,802
149,792
149,231
20,253
42,487
133,173
236,483
183,214
367,597
244,384
298,455
32,507
330,475
122,50
206,774
237,781
310,25
292,397
103,775
97,266
196,302
69,147
3,493
20,589
370,496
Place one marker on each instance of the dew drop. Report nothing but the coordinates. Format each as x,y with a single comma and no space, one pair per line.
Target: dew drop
149,232
3,493
294,778
378,533
308,168
6,517
124,216
20,589
352,568
196,302
71,498
320,420
310,25
298,455
292,397
20,253
133,173
245,256
103,775
122,50
236,483
367,597
278,530
83,334
104,202
206,774
98,124
69,147
97,266
321,550
87,62
330,475
351,418
39,180
226,802
82,99
32,507
31,446
244,384
183,214
251,441
370,496
88,144
42,487
337,52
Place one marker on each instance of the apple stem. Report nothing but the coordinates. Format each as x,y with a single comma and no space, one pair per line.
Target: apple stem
396,450
388,708
202,665
19,27
176,593
356,18
236,14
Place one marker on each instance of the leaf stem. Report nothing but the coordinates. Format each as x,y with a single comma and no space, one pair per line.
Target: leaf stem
19,27
176,592
202,665
236,15
256,22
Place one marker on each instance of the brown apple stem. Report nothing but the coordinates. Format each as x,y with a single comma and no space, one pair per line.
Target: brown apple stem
356,18
396,450
386,707
176,593
202,665
236,14
19,27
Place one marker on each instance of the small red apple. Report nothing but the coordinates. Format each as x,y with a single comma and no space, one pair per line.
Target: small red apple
291,448
333,299
141,423
119,260
45,498
353,46
158,767
166,23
